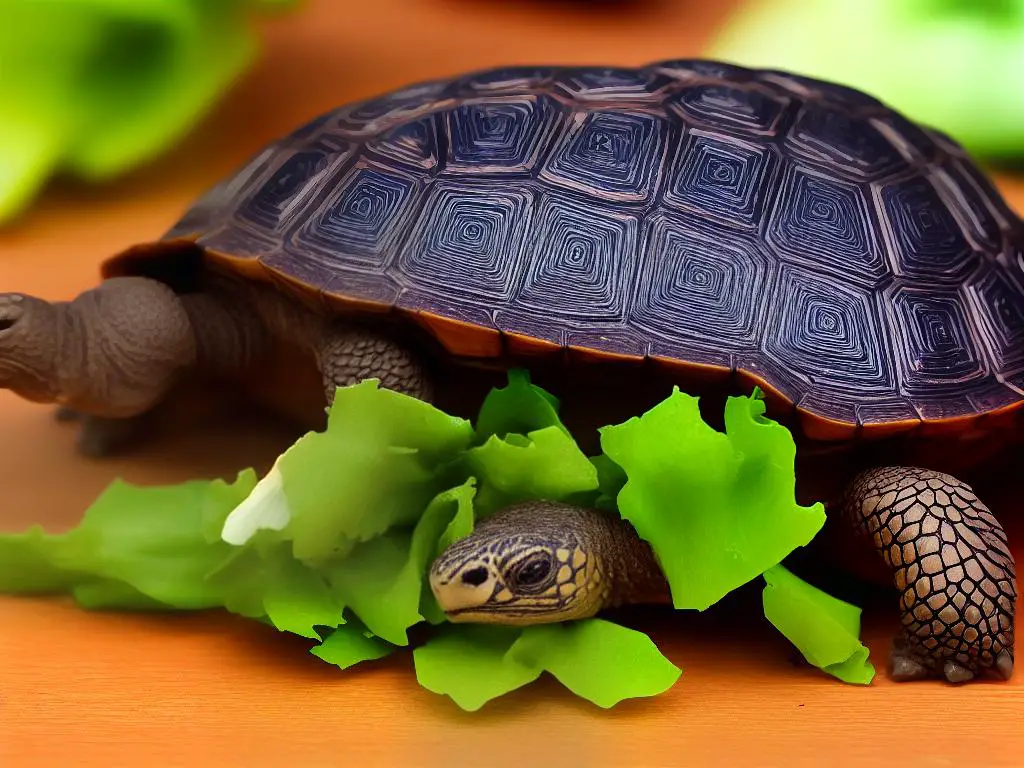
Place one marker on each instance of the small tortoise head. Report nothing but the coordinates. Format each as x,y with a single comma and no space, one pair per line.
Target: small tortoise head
29,330
531,563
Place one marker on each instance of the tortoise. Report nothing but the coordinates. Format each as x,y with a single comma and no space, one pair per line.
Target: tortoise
721,226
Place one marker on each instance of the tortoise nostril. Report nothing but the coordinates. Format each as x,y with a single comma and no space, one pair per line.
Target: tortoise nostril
475,577
6,323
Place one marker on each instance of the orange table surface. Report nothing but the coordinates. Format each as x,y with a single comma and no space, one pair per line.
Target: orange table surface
209,689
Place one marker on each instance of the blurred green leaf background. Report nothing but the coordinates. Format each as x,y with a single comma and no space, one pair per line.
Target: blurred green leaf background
95,87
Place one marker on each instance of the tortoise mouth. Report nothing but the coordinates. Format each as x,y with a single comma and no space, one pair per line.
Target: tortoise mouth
502,614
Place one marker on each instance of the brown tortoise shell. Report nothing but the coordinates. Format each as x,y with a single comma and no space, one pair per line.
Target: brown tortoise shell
715,219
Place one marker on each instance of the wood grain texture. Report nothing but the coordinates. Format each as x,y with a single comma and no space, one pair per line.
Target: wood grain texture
111,690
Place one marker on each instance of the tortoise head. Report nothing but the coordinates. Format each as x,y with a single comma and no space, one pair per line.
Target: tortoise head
29,332
542,562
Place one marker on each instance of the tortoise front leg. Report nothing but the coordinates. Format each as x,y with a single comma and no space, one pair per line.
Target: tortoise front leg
348,354
100,437
952,565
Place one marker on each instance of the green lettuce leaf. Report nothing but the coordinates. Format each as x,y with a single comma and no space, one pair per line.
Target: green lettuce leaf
112,595
383,580
520,407
29,563
378,464
717,508
97,87
610,479
298,599
523,449
132,541
349,645
824,629
545,464
471,664
460,526
597,660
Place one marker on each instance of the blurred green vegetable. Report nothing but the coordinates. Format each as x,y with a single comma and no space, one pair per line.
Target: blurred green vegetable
957,65
96,87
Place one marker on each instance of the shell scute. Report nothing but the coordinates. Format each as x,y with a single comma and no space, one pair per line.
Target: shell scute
842,141
610,155
619,83
373,115
925,239
995,301
475,241
502,80
590,247
825,330
699,292
938,349
722,178
745,109
703,69
413,144
296,174
829,225
365,217
500,136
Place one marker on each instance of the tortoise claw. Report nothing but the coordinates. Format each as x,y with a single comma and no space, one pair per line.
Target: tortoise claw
905,668
956,673
1004,665
64,414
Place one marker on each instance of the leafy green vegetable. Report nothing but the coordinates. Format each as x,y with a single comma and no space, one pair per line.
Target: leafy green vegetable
471,664
349,645
297,599
382,580
380,461
520,408
460,526
717,508
334,544
29,563
545,464
134,541
610,479
597,660
823,628
108,594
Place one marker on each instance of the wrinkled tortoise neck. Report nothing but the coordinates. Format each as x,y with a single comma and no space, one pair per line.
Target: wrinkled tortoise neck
632,571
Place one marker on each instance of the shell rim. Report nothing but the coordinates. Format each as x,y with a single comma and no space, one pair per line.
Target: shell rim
813,425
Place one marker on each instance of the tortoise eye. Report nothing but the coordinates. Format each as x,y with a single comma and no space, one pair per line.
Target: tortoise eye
533,573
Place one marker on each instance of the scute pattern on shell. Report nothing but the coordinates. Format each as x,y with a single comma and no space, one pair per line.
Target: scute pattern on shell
690,210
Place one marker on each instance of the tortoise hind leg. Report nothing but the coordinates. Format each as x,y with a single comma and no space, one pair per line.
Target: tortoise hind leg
952,565
349,354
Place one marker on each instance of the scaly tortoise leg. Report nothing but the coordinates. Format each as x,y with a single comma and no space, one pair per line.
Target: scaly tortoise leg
952,565
348,354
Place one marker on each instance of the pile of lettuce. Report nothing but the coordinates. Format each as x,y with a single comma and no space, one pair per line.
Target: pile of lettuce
334,543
